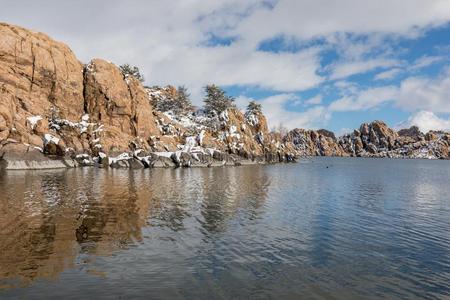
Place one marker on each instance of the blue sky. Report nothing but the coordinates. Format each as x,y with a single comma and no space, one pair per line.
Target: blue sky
312,64
425,55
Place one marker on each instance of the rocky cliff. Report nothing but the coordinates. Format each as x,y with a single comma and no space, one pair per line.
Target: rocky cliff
378,140
57,112
374,139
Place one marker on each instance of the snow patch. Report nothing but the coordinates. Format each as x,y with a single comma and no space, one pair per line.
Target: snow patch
50,138
33,121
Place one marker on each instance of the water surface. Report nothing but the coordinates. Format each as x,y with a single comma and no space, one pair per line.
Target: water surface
328,228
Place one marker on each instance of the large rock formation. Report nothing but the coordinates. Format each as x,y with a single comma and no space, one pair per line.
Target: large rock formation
374,139
378,140
314,143
57,112
121,105
37,74
54,109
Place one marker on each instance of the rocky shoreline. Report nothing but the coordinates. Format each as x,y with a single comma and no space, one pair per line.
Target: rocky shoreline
33,159
56,112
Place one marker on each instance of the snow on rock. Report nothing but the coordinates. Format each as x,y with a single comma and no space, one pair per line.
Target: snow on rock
190,143
48,138
99,129
123,156
57,123
85,118
200,137
252,119
223,116
164,154
260,138
33,121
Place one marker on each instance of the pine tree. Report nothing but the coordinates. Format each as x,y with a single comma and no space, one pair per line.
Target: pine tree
168,99
132,71
216,100
182,103
254,108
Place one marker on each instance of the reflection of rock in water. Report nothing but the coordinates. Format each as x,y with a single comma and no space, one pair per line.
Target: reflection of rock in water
81,233
227,190
48,217
217,193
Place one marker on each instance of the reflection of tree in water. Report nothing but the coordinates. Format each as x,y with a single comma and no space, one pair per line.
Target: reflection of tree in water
217,194
229,190
171,199
114,215
49,216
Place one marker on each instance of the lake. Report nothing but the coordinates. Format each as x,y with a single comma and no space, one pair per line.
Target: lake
325,228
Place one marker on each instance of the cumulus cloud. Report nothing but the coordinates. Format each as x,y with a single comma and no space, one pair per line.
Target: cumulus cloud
426,61
426,121
420,93
314,100
412,94
389,74
310,19
347,69
365,99
276,110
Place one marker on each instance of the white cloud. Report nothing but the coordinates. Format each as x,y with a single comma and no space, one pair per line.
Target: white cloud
426,61
242,102
314,100
426,121
346,69
419,93
389,74
365,99
168,39
309,19
277,113
412,94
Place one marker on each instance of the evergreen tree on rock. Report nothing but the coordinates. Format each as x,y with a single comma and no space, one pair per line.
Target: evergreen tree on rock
128,70
216,100
182,103
254,108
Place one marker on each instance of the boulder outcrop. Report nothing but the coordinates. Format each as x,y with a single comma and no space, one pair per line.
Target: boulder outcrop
57,108
314,143
37,75
378,140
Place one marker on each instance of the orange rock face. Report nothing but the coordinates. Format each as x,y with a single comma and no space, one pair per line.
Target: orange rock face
45,89
36,75
51,104
120,104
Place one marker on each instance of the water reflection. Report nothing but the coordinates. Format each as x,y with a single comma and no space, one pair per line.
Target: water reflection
330,228
51,217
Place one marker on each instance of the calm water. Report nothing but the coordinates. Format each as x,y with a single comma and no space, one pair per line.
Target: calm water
322,229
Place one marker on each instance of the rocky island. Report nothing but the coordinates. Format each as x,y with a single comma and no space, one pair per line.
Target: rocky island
58,112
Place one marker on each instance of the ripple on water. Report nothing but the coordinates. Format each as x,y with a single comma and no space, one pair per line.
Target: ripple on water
361,228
